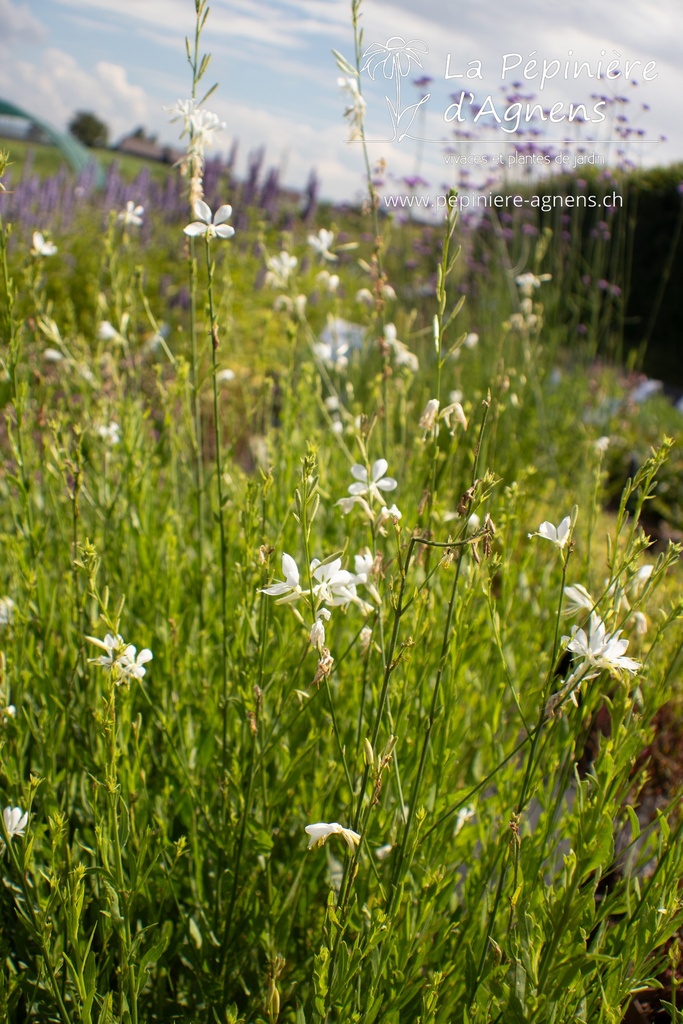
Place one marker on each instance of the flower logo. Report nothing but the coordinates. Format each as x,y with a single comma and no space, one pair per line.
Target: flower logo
395,58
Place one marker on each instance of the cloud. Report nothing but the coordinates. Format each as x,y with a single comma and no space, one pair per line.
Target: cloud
19,25
57,86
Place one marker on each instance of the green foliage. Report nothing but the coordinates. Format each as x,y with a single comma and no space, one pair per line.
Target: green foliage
88,129
495,850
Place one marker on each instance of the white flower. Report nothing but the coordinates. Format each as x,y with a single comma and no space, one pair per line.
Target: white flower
209,224
52,355
286,590
556,535
471,340
280,269
640,579
202,126
110,432
391,512
601,445
355,111
224,376
577,599
321,244
376,482
456,411
364,564
335,585
328,281
317,634
402,354
133,667
6,611
131,216
107,332
428,417
15,821
528,282
382,852
182,110
365,297
322,830
365,638
639,624
118,654
346,504
600,649
41,246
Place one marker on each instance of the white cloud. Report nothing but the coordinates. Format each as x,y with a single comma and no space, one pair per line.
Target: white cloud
57,86
19,25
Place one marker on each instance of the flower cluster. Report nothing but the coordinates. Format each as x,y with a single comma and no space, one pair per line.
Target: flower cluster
332,585
120,658
599,649
355,110
432,415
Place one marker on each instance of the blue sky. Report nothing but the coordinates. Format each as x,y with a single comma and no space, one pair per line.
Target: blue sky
125,60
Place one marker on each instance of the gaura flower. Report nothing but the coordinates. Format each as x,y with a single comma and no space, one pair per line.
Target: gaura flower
321,243
429,416
335,585
317,634
41,246
374,483
6,611
280,269
131,216
330,282
600,649
110,432
471,340
321,831
15,821
402,354
209,224
559,536
577,599
355,111
392,512
132,666
122,656
528,282
286,590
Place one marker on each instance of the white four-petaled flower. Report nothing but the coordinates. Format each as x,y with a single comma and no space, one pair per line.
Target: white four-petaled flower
122,656
372,484
334,585
322,830
131,216
280,269
209,224
321,244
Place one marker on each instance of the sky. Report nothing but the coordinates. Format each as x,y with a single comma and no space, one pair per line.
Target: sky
125,61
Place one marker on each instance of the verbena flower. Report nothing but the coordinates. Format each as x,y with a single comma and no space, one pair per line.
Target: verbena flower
321,243
15,821
213,226
374,483
600,649
322,830
41,245
131,216
286,590
557,535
